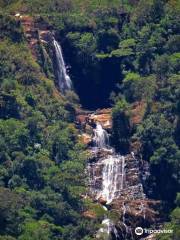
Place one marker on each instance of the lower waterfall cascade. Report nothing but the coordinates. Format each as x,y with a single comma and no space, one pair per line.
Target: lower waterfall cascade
116,182
113,177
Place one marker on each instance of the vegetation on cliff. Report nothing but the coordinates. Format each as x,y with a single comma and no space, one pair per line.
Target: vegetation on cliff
42,162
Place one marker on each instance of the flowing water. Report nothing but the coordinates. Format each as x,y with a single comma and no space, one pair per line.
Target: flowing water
101,137
113,172
64,81
106,229
114,177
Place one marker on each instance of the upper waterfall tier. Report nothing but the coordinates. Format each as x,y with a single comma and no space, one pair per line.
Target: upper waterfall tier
64,81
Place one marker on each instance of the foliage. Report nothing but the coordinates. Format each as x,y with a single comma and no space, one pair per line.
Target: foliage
121,126
136,87
41,160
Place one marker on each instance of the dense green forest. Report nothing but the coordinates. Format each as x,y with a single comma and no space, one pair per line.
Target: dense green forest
120,52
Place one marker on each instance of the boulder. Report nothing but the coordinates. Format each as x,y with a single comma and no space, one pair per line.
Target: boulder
103,117
102,201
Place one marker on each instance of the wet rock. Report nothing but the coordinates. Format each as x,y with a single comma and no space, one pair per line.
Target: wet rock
102,116
116,181
97,154
102,201
45,36
87,117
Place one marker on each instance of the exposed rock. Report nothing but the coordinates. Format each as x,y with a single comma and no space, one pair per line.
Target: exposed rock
132,185
95,154
89,214
130,202
88,129
88,118
35,30
121,176
102,116
85,138
30,32
45,36
102,200
81,119
137,112
139,209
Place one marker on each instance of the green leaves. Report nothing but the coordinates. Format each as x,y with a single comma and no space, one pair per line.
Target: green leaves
36,230
15,137
10,203
137,87
121,126
126,48
17,63
10,28
156,134
121,53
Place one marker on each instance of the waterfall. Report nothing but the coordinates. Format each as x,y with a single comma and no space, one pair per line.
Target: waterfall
106,229
64,81
113,177
113,171
116,181
101,137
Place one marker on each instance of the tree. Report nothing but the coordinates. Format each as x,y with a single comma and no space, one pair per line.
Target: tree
121,126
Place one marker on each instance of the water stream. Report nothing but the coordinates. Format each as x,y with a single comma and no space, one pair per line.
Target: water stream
114,177
101,137
113,172
64,81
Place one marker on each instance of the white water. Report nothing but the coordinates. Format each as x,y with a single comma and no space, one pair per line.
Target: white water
110,182
142,208
64,81
101,137
113,172
113,177
106,229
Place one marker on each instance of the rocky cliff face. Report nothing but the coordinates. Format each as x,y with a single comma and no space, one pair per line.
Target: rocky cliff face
115,181
35,31
46,50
